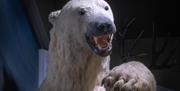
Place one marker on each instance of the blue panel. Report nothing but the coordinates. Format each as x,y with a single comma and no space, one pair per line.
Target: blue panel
18,46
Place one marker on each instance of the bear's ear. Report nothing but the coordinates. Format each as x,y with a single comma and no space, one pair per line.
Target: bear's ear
53,15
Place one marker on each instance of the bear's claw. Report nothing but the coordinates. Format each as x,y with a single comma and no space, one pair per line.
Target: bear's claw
121,84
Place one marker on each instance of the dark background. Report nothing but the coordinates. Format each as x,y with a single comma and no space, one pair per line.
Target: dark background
162,13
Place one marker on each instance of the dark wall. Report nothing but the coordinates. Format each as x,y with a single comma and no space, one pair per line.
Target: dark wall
162,13
46,7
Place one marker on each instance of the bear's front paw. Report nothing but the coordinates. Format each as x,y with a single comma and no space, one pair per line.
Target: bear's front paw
128,78
123,83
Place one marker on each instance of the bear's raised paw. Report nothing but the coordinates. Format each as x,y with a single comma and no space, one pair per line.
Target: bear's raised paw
129,77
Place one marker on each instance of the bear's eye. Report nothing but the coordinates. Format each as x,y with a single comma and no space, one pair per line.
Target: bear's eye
82,12
106,8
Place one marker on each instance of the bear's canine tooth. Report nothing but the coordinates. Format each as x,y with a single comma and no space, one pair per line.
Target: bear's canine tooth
111,38
95,39
99,47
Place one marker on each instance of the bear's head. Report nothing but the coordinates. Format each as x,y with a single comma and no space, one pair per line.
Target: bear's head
90,23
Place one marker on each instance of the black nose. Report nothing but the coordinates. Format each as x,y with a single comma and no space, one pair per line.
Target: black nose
104,27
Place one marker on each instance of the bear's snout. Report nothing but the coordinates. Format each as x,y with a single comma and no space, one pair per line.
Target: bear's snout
99,35
100,26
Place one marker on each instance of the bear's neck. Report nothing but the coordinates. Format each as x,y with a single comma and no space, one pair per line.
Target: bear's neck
72,68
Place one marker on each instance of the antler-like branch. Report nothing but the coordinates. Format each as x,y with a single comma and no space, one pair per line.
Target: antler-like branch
135,43
123,35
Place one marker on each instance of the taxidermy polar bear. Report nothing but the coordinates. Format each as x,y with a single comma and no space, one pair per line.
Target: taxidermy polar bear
80,45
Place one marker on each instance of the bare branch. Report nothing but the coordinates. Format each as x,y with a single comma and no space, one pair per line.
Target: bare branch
172,53
135,43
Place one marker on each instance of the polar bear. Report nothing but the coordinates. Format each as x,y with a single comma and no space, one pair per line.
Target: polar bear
79,49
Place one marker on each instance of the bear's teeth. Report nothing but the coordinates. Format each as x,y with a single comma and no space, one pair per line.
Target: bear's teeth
109,35
95,39
105,46
99,47
103,42
111,38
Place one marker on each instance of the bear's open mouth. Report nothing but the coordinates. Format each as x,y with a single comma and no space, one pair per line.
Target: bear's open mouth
101,44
